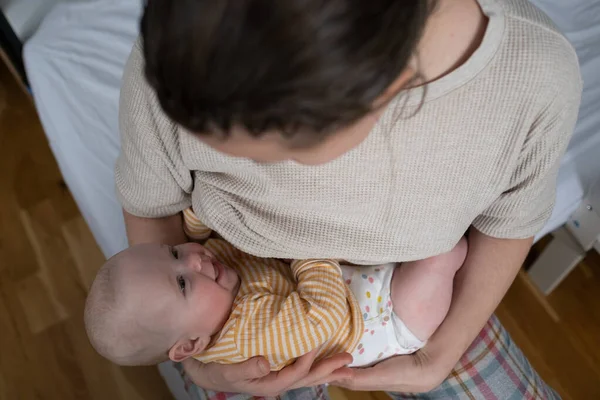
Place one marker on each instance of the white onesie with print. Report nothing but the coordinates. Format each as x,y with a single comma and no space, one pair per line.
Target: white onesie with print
385,334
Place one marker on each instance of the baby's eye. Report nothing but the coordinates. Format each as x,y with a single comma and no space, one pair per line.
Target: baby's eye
174,253
181,283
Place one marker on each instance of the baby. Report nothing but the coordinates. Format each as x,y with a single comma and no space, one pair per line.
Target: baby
154,302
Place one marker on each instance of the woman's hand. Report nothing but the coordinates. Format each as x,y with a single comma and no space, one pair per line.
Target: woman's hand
415,373
253,376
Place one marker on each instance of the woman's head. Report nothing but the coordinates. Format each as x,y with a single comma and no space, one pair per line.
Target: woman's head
293,70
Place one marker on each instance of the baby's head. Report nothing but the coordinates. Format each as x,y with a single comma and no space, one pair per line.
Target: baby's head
152,302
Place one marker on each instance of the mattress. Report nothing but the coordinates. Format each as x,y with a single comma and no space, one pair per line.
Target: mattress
75,61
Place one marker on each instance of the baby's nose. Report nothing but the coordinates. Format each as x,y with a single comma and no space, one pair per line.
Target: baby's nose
199,262
205,261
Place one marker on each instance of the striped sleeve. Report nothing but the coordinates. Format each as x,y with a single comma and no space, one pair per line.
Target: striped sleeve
284,328
193,227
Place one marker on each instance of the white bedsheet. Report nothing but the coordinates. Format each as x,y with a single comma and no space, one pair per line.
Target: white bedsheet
579,20
75,61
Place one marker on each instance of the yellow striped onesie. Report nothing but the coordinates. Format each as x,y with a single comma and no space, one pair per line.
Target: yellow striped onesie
281,312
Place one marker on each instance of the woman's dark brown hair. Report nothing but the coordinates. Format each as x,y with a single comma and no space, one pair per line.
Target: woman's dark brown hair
293,66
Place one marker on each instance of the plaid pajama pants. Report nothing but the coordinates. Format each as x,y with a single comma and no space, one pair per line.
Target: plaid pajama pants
493,368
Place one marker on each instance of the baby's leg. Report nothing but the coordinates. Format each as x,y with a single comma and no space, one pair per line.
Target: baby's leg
422,290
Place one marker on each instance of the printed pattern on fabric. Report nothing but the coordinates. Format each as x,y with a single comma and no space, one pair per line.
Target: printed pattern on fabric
384,335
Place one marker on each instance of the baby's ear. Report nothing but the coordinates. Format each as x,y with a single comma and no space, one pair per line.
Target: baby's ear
185,348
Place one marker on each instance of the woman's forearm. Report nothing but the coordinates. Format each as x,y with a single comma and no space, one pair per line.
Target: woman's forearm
486,275
168,230
480,285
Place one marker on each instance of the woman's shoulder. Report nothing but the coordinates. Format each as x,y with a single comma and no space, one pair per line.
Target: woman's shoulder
141,116
526,12
536,50
134,87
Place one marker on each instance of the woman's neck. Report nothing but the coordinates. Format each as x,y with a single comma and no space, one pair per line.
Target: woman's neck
452,34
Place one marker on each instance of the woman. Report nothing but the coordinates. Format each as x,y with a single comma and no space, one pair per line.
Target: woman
372,132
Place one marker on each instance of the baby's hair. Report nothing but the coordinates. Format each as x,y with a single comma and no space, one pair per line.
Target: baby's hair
112,330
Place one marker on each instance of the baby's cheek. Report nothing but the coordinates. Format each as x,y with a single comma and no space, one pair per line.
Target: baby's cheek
203,310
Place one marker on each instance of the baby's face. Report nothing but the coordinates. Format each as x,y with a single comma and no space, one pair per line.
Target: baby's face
184,288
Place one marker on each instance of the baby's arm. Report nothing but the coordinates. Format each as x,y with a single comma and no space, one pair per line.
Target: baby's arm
284,328
194,228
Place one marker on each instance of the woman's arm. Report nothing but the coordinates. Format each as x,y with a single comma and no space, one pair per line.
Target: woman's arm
490,268
492,263
167,230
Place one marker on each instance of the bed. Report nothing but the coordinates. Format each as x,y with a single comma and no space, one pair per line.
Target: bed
74,64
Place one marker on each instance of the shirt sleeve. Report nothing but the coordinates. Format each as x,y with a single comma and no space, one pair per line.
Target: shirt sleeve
527,202
151,178
284,328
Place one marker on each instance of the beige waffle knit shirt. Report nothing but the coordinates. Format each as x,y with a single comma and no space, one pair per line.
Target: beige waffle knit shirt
483,151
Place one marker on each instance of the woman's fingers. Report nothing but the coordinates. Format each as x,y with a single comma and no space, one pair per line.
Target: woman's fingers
253,376
192,367
298,370
254,368
390,374
214,376
361,379
326,370
341,374
277,382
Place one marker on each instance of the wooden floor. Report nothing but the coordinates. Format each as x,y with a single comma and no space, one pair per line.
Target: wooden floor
48,259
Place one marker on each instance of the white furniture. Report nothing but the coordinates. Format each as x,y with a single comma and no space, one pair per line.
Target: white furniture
569,244
75,60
